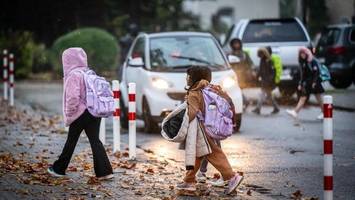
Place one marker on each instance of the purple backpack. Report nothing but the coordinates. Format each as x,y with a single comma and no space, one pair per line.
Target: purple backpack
99,97
218,116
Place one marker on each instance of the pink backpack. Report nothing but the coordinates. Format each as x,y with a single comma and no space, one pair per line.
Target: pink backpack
218,116
99,97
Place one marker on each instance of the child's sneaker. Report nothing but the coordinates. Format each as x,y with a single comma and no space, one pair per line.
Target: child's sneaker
186,187
51,171
201,177
234,183
219,183
292,113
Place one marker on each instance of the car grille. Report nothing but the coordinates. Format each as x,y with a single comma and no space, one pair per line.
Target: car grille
179,96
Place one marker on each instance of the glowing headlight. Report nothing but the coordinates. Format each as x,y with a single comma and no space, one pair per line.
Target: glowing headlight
160,83
228,82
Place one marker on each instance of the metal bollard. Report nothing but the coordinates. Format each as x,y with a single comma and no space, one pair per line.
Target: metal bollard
116,116
5,63
132,120
328,146
102,134
12,79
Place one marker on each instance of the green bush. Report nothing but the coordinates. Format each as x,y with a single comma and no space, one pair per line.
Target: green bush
100,46
27,52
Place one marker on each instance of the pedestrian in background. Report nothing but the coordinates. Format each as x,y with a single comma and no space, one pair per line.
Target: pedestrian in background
243,69
309,83
78,118
266,76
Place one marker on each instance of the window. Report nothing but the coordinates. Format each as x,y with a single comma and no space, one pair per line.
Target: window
329,37
274,31
138,50
180,52
352,35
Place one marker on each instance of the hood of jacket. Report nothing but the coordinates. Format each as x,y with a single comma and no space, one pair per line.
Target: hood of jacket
264,52
199,85
306,51
73,58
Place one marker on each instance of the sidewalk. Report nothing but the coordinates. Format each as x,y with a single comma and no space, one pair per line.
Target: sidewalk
32,139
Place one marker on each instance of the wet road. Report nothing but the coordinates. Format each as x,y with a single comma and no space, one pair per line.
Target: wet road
275,152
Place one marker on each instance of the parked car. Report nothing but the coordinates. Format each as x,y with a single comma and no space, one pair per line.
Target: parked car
157,63
284,36
336,49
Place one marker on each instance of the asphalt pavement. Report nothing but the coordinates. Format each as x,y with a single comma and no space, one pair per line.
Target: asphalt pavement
277,154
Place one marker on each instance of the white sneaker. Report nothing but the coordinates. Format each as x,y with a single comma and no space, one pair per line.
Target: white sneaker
292,113
201,177
51,171
234,183
219,183
320,116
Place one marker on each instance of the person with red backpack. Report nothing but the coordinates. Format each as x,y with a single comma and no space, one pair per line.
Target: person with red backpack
211,106
80,109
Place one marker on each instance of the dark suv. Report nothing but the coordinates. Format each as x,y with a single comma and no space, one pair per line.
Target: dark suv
336,49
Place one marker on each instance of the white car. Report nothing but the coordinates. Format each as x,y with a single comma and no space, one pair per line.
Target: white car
157,63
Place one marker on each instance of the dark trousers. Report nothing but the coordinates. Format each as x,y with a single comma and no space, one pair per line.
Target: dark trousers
91,125
204,162
264,95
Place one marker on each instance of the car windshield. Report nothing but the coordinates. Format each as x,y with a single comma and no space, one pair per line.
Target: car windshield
274,31
329,37
180,52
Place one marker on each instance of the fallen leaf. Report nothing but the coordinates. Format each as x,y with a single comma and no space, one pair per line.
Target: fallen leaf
150,170
148,151
117,154
138,192
216,176
93,181
124,185
72,169
297,195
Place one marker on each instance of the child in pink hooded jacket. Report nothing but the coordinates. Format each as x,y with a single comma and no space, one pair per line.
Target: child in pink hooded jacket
77,117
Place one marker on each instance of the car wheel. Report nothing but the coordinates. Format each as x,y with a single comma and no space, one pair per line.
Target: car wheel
150,126
238,117
341,83
124,115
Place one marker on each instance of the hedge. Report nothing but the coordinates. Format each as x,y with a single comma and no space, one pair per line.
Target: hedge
100,46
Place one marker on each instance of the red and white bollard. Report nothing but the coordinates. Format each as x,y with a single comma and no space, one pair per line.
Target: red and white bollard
328,146
116,116
132,120
5,75
12,79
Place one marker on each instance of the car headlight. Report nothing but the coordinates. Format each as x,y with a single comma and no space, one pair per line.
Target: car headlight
228,82
160,83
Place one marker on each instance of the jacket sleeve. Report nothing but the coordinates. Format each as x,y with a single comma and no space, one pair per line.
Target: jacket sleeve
193,103
72,94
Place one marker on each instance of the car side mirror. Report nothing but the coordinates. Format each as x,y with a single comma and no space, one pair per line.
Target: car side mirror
136,62
233,59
